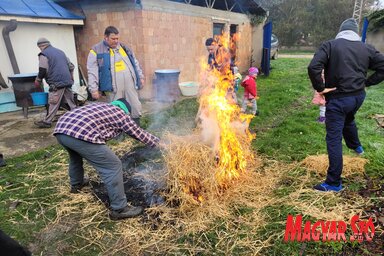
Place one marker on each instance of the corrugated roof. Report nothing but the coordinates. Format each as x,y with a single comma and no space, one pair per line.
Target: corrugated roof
36,9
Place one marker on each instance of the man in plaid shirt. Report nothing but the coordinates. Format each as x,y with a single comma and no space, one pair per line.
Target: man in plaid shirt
83,133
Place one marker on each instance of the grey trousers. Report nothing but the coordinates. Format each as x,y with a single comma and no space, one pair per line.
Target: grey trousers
245,103
102,158
54,100
129,93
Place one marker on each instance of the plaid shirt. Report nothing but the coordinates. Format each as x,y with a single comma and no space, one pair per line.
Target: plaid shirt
99,122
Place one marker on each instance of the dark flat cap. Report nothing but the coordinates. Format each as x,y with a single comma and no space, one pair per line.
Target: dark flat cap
42,40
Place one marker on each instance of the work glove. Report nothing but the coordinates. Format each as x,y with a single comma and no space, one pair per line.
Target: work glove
37,83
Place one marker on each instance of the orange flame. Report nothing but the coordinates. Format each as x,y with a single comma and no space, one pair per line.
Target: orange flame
217,101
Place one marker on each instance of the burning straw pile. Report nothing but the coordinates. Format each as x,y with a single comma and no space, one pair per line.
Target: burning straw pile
202,167
193,175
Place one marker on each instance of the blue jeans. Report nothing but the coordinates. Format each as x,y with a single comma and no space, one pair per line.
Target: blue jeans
340,123
102,158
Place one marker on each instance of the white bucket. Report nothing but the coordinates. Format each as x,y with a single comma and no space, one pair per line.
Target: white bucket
189,88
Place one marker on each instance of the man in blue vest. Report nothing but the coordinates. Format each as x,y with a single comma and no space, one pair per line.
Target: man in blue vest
114,72
57,70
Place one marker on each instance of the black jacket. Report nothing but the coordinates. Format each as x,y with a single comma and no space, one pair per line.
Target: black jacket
345,65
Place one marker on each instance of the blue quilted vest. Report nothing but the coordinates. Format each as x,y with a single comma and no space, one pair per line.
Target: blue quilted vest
104,63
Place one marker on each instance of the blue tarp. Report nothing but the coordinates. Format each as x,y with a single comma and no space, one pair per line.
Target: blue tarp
36,8
266,57
365,28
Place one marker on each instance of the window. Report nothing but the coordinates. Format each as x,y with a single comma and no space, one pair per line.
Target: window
218,29
233,29
233,43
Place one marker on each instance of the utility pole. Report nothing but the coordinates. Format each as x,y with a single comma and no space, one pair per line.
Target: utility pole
357,10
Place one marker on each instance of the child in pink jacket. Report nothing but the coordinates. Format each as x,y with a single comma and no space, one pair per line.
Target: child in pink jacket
319,100
250,91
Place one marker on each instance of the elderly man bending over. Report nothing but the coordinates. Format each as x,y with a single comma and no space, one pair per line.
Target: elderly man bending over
84,131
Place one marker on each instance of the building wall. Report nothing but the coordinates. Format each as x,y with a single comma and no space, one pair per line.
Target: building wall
377,40
174,41
163,35
257,45
24,40
99,15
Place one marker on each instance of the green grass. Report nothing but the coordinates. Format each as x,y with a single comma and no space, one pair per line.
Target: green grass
295,51
286,128
17,184
286,131
178,119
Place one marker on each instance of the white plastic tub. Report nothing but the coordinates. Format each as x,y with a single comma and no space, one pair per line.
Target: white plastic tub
189,88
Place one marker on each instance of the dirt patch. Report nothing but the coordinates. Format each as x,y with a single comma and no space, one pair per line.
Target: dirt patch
374,189
50,238
19,135
28,142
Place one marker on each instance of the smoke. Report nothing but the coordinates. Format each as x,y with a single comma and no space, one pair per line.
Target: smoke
177,119
210,131
156,116
167,92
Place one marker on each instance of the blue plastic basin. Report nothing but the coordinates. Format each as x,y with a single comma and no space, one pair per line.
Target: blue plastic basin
39,98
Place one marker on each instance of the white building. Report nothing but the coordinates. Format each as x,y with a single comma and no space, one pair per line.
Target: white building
18,49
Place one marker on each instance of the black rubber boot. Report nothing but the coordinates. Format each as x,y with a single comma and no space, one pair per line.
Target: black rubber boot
126,212
42,124
75,189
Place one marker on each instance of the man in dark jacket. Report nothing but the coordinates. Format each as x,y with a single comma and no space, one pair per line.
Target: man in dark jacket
345,61
57,70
